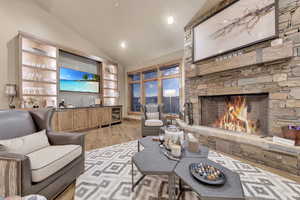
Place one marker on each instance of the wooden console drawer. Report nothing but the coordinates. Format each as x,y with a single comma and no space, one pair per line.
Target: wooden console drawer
65,120
81,119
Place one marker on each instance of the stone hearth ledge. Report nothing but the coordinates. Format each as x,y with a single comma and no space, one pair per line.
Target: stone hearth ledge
249,147
265,143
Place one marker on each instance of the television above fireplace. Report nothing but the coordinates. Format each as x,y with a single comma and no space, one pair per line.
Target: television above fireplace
242,23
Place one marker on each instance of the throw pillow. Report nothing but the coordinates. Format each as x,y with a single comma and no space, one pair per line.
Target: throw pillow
151,108
26,144
2,147
152,115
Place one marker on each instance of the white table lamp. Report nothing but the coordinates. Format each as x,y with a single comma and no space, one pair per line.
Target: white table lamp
11,92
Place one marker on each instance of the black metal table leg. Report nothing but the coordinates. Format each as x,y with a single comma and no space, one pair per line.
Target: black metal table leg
171,187
132,177
182,189
134,184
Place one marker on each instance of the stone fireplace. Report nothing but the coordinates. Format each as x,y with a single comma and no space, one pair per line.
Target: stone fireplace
246,114
241,99
271,88
267,68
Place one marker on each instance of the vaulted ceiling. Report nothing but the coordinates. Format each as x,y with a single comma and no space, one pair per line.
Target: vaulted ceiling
141,23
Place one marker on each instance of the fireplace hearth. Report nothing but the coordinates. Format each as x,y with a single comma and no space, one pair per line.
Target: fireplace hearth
246,114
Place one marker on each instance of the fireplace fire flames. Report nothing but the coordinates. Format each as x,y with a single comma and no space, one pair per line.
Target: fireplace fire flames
235,117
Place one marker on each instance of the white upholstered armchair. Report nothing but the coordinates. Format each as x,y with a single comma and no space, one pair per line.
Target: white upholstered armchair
152,119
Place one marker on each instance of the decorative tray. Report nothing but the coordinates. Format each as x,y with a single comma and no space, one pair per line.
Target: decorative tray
207,174
168,154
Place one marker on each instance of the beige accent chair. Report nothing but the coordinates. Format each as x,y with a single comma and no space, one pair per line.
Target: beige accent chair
152,119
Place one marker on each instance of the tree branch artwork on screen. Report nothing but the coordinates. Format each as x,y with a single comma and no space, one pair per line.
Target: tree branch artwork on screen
239,25
248,21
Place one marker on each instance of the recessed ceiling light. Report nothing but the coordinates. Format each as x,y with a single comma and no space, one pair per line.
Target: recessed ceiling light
170,20
116,3
123,45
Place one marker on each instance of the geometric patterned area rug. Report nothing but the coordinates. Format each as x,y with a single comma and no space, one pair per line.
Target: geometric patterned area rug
107,176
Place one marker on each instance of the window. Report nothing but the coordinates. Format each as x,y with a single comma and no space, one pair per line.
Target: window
151,92
135,97
135,77
150,75
170,70
158,85
170,88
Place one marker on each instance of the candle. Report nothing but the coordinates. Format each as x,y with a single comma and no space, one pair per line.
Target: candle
176,150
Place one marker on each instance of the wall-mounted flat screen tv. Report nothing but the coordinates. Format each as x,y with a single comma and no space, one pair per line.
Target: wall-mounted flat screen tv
241,24
78,81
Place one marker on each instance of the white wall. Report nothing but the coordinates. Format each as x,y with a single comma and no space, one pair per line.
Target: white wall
25,15
162,59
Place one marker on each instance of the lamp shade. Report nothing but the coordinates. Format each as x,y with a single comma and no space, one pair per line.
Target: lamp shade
10,90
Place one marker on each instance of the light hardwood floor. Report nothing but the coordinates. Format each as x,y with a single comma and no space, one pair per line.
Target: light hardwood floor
128,131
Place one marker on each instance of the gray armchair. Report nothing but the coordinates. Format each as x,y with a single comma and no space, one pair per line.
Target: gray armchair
152,119
19,180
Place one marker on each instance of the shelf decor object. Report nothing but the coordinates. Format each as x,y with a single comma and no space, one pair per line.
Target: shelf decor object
110,84
38,72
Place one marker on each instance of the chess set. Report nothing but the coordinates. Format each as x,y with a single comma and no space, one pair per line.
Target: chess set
207,174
